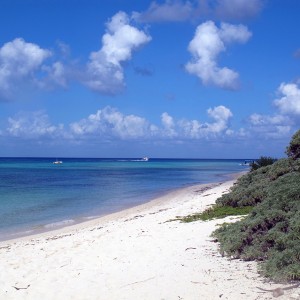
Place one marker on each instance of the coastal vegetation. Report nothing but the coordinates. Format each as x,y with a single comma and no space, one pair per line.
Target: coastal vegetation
262,162
216,212
270,233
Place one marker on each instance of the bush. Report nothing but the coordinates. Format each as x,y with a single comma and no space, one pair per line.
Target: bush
270,233
293,150
262,162
252,188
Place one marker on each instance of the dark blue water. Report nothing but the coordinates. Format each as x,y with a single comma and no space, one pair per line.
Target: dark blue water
36,194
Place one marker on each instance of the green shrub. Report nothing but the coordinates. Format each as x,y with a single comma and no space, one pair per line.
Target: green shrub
217,212
293,150
263,161
271,232
253,187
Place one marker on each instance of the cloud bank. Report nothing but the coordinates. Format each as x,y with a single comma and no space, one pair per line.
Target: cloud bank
109,124
209,41
179,11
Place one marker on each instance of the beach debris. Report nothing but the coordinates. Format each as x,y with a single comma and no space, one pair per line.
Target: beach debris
136,282
96,228
5,247
21,288
56,237
279,291
160,210
199,282
135,217
190,248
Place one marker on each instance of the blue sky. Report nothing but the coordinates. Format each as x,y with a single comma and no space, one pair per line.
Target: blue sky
168,78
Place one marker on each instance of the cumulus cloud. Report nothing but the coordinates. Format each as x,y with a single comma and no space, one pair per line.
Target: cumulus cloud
209,41
284,120
168,125
289,101
194,129
178,10
105,70
266,126
19,62
110,123
33,125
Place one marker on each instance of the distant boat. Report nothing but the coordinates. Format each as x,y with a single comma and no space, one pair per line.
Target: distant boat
145,158
57,162
247,163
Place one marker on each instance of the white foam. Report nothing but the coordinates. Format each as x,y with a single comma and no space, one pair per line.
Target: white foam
59,224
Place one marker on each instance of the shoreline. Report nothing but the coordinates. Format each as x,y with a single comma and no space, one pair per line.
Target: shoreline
157,201
80,221
134,254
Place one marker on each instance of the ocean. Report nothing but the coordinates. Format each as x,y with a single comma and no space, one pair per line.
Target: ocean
37,195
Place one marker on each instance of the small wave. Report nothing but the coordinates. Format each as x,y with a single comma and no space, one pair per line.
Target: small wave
59,224
90,217
27,232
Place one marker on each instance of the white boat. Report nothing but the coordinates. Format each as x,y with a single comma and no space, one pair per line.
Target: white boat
57,162
145,158
247,163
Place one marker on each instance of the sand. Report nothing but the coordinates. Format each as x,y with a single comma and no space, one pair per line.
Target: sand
134,254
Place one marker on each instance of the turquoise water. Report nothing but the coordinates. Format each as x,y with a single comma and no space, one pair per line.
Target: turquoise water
37,195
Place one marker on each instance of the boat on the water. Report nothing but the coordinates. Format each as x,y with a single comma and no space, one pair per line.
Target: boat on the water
247,163
57,162
145,158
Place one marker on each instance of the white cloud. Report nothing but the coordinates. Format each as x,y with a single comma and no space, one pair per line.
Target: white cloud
209,41
194,129
110,123
258,119
282,122
267,126
104,70
33,125
289,103
221,115
234,33
168,125
56,74
19,61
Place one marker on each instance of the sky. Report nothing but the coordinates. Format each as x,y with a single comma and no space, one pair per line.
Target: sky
134,78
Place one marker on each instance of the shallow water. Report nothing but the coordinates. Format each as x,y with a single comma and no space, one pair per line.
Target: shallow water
36,195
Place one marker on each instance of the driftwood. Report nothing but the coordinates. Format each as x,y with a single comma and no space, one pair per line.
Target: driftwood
21,288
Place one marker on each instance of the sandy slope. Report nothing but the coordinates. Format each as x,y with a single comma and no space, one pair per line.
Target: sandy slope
135,254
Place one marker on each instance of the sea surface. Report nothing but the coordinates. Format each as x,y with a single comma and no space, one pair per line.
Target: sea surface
37,195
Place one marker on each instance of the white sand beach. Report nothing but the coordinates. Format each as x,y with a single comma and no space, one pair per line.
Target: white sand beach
134,254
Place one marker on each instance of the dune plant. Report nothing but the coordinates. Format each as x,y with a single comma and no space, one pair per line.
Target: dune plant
262,162
270,233
293,150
